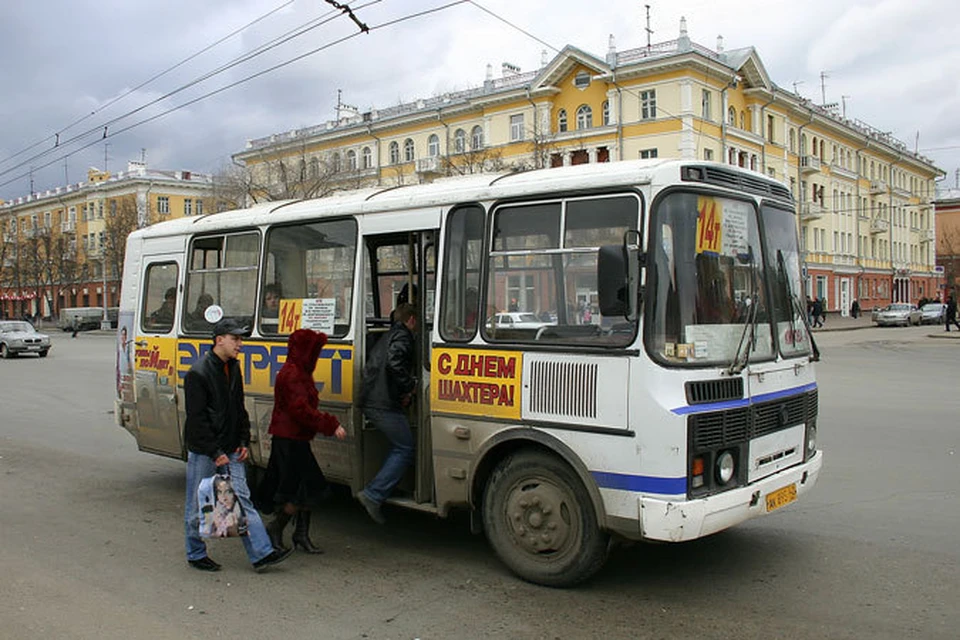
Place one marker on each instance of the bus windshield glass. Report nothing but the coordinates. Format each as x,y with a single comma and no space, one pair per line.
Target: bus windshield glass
783,267
706,300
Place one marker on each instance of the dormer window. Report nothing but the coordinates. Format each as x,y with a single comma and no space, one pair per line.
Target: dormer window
582,80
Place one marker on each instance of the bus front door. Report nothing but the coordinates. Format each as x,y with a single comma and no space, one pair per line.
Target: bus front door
155,357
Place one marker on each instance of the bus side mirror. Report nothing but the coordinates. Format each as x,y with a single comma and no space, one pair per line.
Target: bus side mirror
617,275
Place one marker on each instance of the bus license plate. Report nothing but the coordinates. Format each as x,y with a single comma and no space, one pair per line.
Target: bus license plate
781,497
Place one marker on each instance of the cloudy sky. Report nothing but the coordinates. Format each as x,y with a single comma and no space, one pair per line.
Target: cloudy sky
157,76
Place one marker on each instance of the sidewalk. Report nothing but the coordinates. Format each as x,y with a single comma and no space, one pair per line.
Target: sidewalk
840,323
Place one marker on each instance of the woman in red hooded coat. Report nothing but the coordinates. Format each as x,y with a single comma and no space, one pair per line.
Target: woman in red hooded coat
294,482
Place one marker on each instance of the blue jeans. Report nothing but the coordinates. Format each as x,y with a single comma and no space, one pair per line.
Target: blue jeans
394,425
256,542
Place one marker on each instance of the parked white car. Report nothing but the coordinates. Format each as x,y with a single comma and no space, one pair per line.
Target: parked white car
899,314
517,320
19,336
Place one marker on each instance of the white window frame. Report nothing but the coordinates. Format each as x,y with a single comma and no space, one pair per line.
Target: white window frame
648,104
584,117
517,128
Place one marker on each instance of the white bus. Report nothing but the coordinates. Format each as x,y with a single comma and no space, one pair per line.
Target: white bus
665,391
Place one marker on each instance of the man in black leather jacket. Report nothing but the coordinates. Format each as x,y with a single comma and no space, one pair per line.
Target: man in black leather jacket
217,433
388,386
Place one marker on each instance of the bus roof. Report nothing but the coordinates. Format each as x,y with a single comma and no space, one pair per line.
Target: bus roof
441,192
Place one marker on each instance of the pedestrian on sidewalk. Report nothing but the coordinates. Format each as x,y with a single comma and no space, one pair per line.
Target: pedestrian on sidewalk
855,309
76,326
951,313
817,312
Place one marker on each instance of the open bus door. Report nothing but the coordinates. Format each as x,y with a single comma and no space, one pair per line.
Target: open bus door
400,267
155,353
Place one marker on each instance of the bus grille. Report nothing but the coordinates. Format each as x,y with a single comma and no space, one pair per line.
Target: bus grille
735,426
745,182
704,391
564,389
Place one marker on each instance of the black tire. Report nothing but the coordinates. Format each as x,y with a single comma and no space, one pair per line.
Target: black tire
539,519
43,354
4,352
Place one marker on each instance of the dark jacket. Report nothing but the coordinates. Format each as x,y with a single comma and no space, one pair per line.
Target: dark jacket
951,309
295,396
388,374
217,421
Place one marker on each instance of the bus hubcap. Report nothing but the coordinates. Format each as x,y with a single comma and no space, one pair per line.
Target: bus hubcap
539,517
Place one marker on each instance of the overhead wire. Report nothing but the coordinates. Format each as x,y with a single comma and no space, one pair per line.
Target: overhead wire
109,103
109,134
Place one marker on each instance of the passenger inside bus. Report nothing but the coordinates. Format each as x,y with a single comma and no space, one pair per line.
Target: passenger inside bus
272,294
196,321
162,318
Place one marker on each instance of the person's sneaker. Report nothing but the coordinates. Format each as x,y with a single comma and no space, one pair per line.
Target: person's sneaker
373,509
275,557
204,564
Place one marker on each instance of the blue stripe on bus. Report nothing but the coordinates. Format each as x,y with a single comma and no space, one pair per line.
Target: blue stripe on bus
645,484
733,404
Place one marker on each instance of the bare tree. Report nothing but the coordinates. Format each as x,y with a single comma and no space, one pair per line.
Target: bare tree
117,225
472,161
296,176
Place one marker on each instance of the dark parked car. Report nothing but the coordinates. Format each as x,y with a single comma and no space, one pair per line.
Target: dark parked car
19,336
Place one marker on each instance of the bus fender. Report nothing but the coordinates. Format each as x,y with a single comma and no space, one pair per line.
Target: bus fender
502,444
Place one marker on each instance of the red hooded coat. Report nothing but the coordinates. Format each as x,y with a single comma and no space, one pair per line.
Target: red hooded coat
295,397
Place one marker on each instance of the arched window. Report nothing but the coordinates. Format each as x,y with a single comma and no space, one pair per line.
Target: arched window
743,121
433,145
408,150
394,152
336,163
459,141
476,138
303,169
732,116
351,160
562,120
584,117
606,113
367,158
813,149
793,140
314,168
803,144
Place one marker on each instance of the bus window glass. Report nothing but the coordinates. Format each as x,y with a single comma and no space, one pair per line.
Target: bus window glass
543,291
706,302
222,271
783,268
460,304
314,260
159,297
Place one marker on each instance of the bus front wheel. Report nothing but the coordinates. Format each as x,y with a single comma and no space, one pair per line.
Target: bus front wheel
539,520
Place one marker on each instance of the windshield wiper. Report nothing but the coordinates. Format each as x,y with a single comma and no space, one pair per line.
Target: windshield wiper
750,326
797,308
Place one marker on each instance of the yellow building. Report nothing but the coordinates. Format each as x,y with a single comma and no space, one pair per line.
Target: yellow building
64,247
865,218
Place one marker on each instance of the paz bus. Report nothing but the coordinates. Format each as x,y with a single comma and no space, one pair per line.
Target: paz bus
660,387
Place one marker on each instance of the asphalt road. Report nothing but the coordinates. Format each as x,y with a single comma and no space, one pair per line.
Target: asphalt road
91,542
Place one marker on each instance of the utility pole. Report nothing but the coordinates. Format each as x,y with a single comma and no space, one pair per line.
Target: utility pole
106,146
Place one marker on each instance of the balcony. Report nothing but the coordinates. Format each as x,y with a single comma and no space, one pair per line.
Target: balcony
926,235
431,165
809,164
878,187
68,227
811,211
879,226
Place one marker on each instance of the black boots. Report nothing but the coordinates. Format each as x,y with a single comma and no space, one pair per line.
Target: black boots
276,527
301,533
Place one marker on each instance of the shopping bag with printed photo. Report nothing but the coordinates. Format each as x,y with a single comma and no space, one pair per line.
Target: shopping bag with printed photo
221,514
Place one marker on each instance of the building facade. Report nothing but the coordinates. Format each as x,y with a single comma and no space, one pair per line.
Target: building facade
947,208
64,247
865,214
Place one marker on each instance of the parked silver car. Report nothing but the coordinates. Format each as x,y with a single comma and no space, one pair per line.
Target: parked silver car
18,336
933,313
899,314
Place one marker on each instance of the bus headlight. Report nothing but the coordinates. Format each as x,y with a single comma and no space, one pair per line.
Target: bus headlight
726,467
811,440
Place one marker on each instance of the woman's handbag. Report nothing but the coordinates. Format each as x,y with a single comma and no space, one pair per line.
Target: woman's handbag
221,514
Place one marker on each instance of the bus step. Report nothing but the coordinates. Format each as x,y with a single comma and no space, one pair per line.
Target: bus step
410,503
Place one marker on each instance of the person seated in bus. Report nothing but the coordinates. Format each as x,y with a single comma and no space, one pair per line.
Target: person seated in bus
272,294
162,318
196,320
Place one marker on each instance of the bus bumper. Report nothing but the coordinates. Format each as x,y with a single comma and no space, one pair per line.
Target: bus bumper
676,521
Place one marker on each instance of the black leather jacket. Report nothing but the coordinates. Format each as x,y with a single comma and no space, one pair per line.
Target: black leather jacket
217,422
388,375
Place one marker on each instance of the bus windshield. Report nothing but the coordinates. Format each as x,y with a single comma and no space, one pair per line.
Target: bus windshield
706,300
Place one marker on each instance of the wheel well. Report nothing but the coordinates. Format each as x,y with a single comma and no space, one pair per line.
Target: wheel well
506,443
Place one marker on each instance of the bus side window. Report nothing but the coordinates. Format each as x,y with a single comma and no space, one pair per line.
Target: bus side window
159,297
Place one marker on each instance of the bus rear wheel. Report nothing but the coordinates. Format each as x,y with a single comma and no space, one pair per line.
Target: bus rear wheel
539,519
